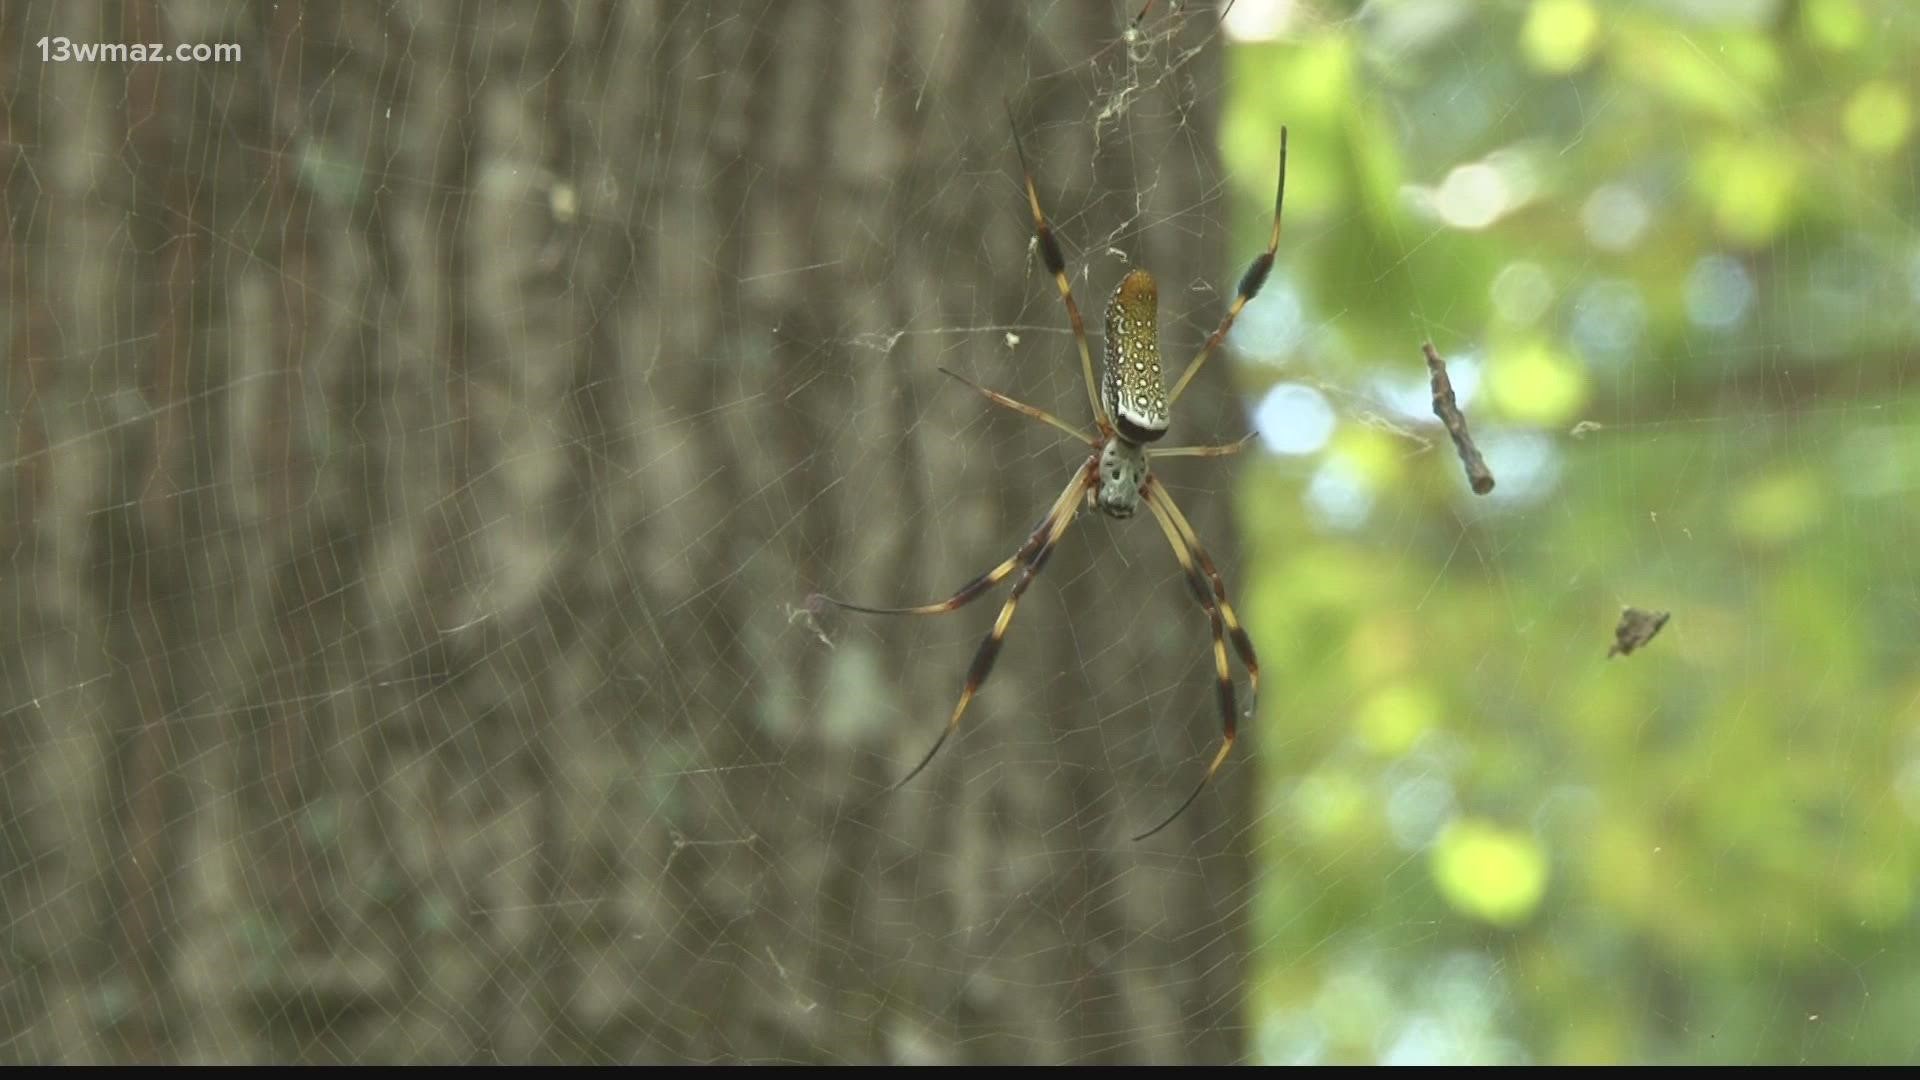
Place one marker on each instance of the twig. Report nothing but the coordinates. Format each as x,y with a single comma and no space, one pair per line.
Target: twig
1448,411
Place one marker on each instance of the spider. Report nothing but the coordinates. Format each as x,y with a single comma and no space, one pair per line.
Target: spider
1131,409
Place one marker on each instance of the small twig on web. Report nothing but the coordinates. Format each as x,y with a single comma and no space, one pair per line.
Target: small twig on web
1636,628
1448,411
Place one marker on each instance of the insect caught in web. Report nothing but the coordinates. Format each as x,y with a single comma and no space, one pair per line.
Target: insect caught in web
1131,408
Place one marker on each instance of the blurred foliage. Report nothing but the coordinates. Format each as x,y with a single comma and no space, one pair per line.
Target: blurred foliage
1670,250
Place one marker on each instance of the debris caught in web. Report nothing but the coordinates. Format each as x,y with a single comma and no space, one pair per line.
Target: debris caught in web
1636,628
815,604
1448,411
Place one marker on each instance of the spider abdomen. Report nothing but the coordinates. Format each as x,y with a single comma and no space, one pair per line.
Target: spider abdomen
1130,382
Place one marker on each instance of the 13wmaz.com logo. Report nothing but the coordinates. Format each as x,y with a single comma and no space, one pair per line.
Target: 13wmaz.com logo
64,50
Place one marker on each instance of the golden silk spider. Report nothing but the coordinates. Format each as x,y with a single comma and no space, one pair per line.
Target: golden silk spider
1131,409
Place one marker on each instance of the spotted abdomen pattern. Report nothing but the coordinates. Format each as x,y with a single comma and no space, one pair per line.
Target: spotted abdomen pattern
1130,383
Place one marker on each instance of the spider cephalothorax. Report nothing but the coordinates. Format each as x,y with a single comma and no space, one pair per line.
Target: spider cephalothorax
1123,472
1131,407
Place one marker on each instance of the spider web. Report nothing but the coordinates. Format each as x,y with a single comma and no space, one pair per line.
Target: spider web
427,430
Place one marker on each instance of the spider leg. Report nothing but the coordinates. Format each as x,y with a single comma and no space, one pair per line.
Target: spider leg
1250,282
1242,643
973,589
1057,266
1024,409
1223,450
1229,718
1052,530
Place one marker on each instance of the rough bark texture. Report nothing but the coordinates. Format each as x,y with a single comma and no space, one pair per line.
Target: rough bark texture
424,434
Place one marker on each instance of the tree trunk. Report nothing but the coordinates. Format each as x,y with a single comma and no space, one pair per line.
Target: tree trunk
427,431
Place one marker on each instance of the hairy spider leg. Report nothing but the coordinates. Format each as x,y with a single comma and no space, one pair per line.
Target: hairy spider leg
1242,642
973,589
1024,409
1057,266
1064,511
1250,281
1229,717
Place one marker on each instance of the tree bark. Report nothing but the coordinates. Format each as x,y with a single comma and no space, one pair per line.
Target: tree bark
426,433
